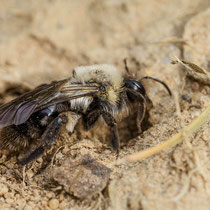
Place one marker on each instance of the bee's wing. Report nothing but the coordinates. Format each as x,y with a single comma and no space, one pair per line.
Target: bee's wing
20,109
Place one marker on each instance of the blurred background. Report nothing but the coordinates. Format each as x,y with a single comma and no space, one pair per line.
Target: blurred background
44,40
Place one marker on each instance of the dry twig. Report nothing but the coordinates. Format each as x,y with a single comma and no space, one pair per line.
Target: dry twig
179,137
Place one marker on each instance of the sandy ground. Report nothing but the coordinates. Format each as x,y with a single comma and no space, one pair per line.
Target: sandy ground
42,41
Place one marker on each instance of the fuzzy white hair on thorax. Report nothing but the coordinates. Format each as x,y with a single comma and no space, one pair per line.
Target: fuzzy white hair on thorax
80,103
100,73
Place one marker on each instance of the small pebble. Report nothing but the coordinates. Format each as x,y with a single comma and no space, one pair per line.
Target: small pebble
195,86
27,207
53,203
39,160
4,208
29,174
9,195
31,204
21,202
50,195
206,134
107,151
9,200
44,203
3,189
61,197
59,155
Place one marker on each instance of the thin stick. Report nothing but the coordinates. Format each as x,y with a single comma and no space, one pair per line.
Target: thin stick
179,137
192,67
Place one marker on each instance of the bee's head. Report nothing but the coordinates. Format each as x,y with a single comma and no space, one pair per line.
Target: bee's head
135,86
135,90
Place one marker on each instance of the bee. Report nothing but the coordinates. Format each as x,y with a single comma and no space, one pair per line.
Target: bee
92,92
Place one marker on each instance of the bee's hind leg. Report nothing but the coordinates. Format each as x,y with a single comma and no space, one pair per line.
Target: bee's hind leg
48,138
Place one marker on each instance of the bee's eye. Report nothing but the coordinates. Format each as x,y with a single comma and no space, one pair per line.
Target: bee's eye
135,85
103,87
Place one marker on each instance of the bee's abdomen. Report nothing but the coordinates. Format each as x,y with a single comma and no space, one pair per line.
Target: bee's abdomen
15,137
11,138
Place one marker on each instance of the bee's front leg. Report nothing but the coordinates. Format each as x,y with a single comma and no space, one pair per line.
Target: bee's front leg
111,122
48,138
90,118
140,114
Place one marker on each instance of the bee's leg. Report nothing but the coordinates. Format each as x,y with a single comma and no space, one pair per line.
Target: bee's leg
47,139
91,118
111,122
73,119
140,114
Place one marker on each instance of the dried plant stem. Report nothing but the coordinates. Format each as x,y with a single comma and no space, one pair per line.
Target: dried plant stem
179,137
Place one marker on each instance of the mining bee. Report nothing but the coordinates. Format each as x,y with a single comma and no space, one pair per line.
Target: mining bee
92,92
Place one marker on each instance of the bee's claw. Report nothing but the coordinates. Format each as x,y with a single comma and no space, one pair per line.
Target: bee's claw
117,153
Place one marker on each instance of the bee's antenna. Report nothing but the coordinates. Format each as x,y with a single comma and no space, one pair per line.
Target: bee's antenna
126,66
161,82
